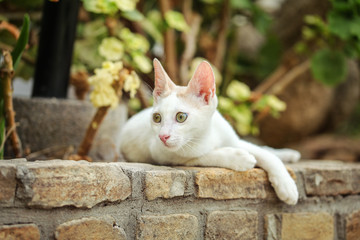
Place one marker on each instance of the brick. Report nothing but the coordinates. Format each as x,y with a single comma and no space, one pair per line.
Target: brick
298,226
272,226
19,232
90,229
56,183
353,226
164,184
232,225
329,178
219,184
7,183
168,227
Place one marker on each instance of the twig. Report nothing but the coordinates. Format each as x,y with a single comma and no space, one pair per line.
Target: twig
6,136
110,24
13,30
194,21
289,77
25,56
270,81
6,77
95,123
142,98
221,41
290,61
169,45
80,83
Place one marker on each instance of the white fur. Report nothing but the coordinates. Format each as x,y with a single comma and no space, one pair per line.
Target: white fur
204,139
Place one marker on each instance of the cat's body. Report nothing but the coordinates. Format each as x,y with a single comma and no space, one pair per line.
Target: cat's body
184,128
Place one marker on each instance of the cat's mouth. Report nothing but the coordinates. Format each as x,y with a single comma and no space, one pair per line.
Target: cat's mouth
170,146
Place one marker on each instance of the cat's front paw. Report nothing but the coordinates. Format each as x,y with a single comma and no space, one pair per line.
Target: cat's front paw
240,160
285,188
289,155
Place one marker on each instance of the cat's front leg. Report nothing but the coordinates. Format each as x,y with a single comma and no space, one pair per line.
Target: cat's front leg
225,157
285,187
286,155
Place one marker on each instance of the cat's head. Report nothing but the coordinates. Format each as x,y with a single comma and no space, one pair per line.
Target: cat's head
182,115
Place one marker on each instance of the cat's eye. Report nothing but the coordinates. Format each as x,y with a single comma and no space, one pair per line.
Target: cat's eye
157,117
181,117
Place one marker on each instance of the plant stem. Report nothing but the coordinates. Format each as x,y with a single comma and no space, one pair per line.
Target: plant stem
194,21
91,131
169,45
221,41
96,121
6,76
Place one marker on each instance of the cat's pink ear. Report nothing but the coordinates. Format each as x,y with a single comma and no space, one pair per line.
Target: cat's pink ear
163,83
202,84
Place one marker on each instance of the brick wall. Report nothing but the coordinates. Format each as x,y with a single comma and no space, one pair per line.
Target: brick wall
61,199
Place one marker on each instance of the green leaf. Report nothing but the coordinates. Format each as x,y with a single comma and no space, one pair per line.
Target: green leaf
355,27
22,41
339,26
104,7
176,20
211,1
241,4
133,15
329,67
238,91
261,20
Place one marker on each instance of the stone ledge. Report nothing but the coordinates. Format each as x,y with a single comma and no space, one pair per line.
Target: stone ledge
329,178
57,183
143,201
224,184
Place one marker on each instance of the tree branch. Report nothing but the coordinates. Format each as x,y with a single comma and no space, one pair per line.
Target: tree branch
194,21
221,41
169,45
96,121
6,76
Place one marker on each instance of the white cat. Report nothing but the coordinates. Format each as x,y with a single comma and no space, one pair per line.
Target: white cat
184,128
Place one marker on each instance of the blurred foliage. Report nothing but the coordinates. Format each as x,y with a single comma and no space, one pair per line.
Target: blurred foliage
105,82
241,108
21,42
132,31
352,126
335,39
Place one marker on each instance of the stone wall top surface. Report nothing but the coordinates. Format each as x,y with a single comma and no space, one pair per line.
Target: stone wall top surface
56,183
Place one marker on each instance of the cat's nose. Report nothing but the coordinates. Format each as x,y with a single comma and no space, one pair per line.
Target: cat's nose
164,137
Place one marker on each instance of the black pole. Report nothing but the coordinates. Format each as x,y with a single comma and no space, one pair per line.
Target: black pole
58,30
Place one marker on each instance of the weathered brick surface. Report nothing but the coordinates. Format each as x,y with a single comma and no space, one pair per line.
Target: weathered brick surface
219,183
329,177
144,195
168,227
232,225
164,184
298,226
90,229
57,183
353,226
19,232
7,183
